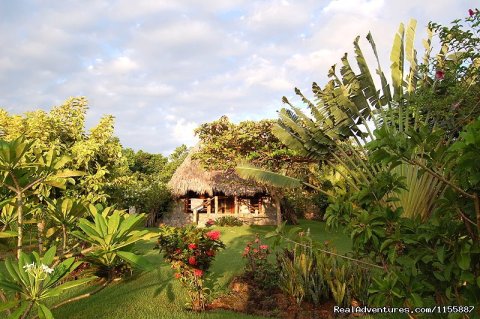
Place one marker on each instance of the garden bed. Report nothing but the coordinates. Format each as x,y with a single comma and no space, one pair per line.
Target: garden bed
247,297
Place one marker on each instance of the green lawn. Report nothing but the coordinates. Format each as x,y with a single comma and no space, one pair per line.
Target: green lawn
155,294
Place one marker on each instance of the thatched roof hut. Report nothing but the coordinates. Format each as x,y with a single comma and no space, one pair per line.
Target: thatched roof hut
190,176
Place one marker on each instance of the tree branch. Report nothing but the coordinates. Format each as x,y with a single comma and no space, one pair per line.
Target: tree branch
103,286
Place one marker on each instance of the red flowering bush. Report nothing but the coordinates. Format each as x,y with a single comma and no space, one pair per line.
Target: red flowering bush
191,251
209,223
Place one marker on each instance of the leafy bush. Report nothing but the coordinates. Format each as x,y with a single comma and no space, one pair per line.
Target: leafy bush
312,272
191,251
258,267
111,239
229,221
209,223
35,279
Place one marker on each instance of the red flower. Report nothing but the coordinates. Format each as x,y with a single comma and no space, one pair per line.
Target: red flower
192,261
178,251
178,276
210,253
192,246
197,272
471,12
265,247
213,235
439,75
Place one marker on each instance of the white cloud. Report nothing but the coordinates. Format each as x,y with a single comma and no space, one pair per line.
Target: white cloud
163,67
123,65
368,8
317,60
182,132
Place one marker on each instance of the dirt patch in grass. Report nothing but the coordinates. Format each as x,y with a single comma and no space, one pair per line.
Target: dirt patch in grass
247,297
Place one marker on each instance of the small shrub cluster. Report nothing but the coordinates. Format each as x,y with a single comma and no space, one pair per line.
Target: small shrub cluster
209,223
229,221
307,274
307,271
190,251
258,267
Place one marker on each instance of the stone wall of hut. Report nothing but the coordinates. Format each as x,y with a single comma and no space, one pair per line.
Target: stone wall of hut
178,217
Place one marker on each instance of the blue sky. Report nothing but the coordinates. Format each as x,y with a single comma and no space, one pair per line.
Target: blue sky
162,67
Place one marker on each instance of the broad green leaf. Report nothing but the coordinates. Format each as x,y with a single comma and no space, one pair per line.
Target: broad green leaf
65,286
44,312
8,234
136,260
49,255
463,261
441,254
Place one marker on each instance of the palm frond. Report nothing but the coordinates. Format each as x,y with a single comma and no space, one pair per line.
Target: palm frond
271,178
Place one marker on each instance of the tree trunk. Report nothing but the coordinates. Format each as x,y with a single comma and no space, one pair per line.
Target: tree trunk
64,232
19,224
41,229
276,199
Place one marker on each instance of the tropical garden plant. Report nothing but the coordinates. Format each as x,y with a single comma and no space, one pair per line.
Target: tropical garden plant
229,221
34,280
408,151
258,267
24,169
190,251
64,213
111,236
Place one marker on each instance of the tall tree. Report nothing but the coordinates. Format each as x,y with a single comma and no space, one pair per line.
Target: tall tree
224,145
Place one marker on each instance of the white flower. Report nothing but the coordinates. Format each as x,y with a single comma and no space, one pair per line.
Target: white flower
47,269
28,267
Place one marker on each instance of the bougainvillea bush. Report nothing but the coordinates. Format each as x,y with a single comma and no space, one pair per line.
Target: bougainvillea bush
191,251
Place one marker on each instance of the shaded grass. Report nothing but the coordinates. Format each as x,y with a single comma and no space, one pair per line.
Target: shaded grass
155,294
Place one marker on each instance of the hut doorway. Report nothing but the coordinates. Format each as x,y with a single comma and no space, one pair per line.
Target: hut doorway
226,205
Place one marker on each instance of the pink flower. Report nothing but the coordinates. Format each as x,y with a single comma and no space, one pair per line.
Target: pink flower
197,272
192,246
255,250
257,240
246,251
471,12
213,235
192,261
178,276
264,247
439,75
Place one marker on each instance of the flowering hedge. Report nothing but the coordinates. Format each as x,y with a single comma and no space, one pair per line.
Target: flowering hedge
191,251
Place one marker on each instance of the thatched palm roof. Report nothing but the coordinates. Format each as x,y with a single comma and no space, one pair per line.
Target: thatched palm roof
190,176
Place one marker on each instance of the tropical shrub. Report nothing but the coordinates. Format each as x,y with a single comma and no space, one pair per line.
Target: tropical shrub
258,266
229,221
312,272
111,239
33,280
64,213
191,251
209,223
25,168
